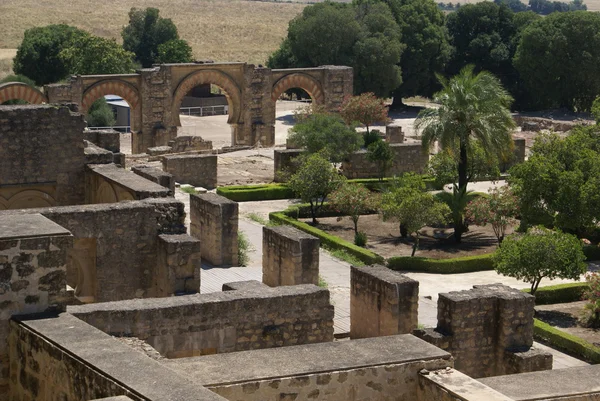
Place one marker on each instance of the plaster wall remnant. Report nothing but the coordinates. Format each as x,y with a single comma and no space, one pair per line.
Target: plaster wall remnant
214,221
155,96
382,302
290,257
488,330
196,170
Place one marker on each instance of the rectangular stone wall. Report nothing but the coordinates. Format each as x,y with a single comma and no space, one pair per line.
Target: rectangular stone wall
63,358
106,139
283,163
382,302
214,221
33,264
394,134
156,175
196,170
43,145
378,369
193,325
187,143
488,330
408,157
108,183
290,257
178,266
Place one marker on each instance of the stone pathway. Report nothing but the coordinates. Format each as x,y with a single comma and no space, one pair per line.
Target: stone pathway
336,274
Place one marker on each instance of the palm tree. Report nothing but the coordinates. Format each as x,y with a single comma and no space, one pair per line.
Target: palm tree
472,107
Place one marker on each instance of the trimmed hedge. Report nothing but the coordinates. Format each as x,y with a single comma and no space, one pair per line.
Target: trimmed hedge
246,193
331,241
560,293
566,342
442,266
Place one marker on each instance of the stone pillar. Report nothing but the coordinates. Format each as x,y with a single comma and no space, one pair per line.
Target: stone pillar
290,257
215,223
283,161
382,302
196,170
394,134
178,267
33,274
337,84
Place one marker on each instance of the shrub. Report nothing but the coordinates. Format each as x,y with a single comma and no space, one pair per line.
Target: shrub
244,248
499,209
560,293
247,193
442,266
360,239
592,296
371,137
353,200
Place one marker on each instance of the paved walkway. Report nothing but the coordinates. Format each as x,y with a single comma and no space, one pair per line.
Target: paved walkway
337,275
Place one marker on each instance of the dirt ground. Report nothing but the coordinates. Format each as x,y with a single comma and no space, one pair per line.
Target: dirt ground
384,238
565,317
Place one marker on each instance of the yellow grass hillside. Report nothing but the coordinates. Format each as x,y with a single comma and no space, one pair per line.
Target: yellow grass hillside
222,30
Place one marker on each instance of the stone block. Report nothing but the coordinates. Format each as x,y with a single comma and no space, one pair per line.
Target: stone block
382,302
290,257
178,267
187,143
155,175
196,170
108,183
214,221
96,155
107,139
159,150
526,360
394,134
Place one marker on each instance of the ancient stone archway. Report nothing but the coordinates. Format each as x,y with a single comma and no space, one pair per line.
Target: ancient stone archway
298,80
21,91
113,87
214,77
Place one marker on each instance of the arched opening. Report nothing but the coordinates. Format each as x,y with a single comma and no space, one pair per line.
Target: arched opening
206,104
20,93
114,104
27,199
292,93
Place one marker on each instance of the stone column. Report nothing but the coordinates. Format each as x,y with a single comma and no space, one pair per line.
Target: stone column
382,302
394,134
178,267
215,223
290,257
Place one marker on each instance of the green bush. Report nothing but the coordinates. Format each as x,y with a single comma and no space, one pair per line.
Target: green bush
566,342
442,266
360,239
560,293
327,240
244,247
246,193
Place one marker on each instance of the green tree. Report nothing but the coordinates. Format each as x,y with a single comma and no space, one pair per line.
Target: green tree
90,55
144,34
174,51
498,209
516,6
353,200
558,185
381,153
100,114
540,253
326,133
315,179
400,189
38,54
365,109
558,58
596,109
471,107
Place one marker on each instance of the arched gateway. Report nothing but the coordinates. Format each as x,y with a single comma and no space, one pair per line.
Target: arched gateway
155,96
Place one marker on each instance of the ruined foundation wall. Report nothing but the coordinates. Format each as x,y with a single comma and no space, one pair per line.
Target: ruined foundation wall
193,325
408,157
196,170
41,156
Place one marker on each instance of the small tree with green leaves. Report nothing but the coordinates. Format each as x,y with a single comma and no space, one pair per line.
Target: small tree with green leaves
417,210
540,253
89,55
499,209
400,189
381,153
100,114
353,200
174,51
315,179
366,109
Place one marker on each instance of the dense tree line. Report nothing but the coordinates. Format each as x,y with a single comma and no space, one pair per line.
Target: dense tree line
398,46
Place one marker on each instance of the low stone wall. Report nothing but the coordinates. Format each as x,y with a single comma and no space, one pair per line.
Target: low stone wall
193,325
156,175
408,157
186,143
178,266
382,302
452,385
107,183
63,358
571,384
196,170
214,221
377,369
106,139
538,123
488,330
290,257
33,264
283,163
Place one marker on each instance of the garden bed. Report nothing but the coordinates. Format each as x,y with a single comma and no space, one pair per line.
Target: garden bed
565,317
384,238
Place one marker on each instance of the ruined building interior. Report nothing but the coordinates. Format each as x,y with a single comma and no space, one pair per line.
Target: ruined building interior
100,297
